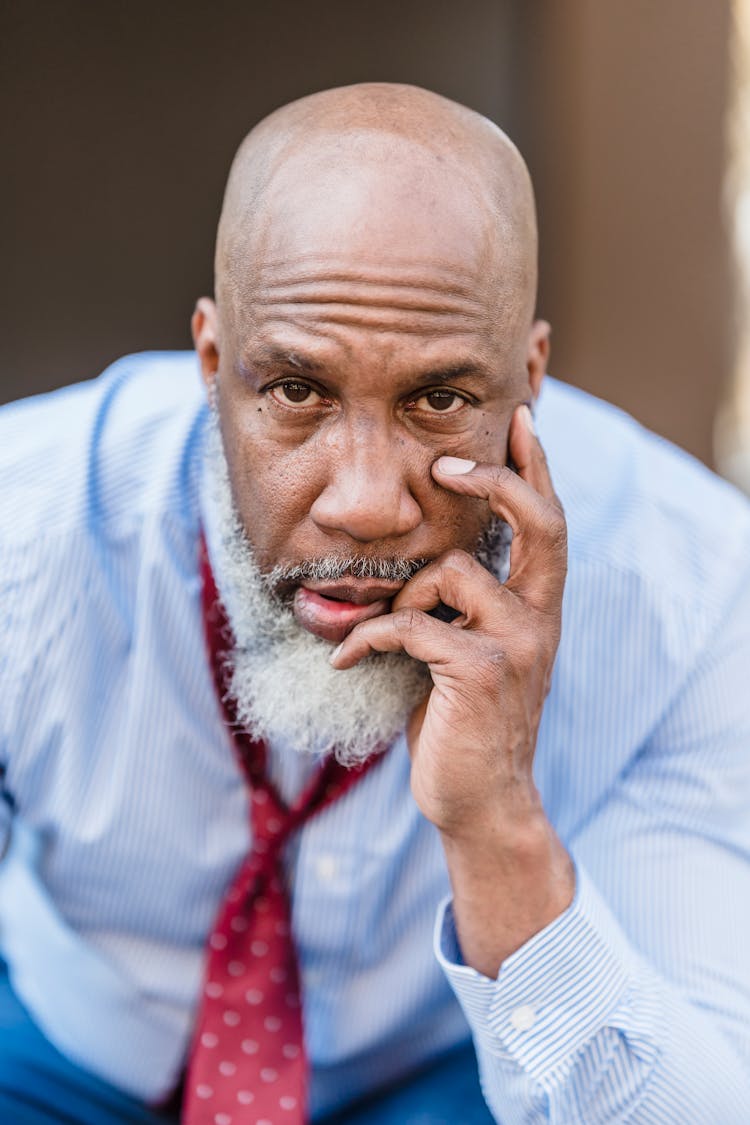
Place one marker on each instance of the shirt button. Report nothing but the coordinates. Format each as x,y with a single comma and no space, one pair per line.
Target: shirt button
523,1018
327,868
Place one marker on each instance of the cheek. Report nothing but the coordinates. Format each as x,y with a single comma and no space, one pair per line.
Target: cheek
490,442
455,521
274,486
462,519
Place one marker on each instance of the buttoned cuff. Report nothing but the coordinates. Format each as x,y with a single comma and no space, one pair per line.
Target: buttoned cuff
554,994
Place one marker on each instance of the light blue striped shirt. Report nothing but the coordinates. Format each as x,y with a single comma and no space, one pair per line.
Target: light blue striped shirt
129,814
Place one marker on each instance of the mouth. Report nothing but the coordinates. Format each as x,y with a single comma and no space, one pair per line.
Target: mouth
331,609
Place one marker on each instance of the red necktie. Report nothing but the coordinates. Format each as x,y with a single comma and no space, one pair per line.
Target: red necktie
248,1064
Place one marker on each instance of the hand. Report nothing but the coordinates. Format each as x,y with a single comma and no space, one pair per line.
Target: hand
473,739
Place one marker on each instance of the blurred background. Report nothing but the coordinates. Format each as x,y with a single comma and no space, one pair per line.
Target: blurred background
120,121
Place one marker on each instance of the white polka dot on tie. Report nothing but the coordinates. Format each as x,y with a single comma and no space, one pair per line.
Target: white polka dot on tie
287,1102
272,1023
245,1097
222,1119
239,924
290,1050
260,796
272,824
268,1074
254,996
235,968
218,941
208,1039
227,1069
250,1046
259,948
231,1019
204,1092
263,1121
277,975
214,989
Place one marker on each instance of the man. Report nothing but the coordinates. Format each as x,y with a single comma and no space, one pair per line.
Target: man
367,490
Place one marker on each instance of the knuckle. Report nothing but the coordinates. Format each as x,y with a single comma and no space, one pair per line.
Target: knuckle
503,475
407,620
557,528
455,559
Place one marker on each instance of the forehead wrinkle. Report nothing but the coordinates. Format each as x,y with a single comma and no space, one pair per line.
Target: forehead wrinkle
333,267
321,329
405,301
322,320
442,296
358,304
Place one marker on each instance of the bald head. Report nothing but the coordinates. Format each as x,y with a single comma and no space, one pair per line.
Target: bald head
388,166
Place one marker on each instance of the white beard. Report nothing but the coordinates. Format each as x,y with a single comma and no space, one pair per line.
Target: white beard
280,676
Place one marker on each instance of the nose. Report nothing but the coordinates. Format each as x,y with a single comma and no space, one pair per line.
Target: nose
366,495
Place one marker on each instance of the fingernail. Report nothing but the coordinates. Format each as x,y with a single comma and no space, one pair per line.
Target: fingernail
454,466
334,654
528,418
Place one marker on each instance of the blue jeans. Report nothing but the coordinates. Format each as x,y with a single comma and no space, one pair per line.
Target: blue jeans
39,1086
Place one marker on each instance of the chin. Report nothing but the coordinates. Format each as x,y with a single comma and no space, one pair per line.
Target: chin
289,694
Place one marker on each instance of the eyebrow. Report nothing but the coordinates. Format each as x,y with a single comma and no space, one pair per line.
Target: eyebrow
452,372
278,357
271,358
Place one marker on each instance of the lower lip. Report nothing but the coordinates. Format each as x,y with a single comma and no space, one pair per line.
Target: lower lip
330,619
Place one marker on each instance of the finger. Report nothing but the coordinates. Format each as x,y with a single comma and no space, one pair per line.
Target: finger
527,453
407,630
507,494
539,549
459,581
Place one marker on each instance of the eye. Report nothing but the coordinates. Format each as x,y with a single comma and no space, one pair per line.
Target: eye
293,393
440,402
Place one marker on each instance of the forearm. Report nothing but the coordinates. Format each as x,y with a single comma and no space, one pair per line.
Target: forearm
509,880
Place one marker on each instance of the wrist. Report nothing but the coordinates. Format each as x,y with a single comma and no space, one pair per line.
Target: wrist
511,818
507,888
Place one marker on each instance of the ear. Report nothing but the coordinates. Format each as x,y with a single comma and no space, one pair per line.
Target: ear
205,328
537,355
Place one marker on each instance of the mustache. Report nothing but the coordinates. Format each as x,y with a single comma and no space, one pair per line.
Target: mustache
331,569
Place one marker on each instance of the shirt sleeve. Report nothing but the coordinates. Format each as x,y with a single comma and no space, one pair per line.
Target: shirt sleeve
634,1004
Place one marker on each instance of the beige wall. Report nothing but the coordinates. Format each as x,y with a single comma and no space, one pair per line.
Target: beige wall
624,104
124,117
